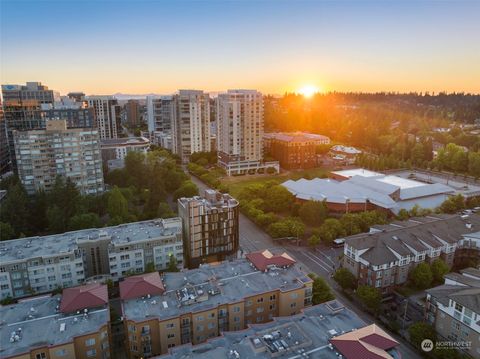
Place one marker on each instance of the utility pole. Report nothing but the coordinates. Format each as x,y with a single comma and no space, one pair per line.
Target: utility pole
405,313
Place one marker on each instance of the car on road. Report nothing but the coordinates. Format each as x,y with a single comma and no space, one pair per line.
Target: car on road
339,242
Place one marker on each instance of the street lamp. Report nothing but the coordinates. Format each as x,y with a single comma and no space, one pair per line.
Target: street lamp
347,200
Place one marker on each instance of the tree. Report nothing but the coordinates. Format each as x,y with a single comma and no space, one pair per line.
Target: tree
56,219
422,276
172,264
403,214
7,301
330,230
150,267
474,164
420,331
187,189
117,205
418,153
6,231
453,204
288,227
439,269
164,211
370,297
279,199
83,221
345,279
313,213
320,290
14,208
313,241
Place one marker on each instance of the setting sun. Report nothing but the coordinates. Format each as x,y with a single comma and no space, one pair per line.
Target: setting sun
308,90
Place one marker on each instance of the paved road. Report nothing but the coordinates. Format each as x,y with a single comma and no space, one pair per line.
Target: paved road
322,261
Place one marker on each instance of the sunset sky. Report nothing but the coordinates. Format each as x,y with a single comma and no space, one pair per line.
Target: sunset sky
103,47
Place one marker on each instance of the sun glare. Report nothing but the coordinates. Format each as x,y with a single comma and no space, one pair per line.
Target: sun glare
308,90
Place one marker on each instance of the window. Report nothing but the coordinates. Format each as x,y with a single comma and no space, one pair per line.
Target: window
61,352
211,325
41,356
90,342
259,309
170,335
200,318
236,309
91,352
170,325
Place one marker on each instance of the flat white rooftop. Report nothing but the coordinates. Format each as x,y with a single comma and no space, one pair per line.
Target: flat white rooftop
357,172
400,182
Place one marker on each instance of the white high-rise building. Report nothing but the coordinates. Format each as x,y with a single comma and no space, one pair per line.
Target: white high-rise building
240,124
160,113
191,128
107,115
240,132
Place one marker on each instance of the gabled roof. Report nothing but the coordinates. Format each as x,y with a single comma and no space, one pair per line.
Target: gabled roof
141,285
83,297
369,342
263,259
424,191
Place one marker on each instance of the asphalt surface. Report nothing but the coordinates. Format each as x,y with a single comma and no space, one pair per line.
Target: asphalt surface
321,261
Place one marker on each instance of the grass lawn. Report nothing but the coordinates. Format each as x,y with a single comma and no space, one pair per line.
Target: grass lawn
237,183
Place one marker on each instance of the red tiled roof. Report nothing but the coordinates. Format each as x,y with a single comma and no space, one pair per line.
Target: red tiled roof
379,341
83,297
261,260
369,342
355,350
141,285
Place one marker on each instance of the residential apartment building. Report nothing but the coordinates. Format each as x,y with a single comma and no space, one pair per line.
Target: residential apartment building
118,148
107,115
74,153
240,131
191,128
41,264
295,150
77,96
76,114
161,112
344,335
210,227
4,149
133,112
202,303
22,111
454,310
240,125
384,257
74,325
